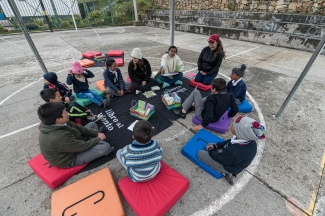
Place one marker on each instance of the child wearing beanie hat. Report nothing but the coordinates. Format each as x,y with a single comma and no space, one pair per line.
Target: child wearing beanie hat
139,71
237,86
230,157
51,81
79,79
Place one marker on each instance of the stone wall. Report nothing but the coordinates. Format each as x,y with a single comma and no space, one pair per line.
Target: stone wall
280,6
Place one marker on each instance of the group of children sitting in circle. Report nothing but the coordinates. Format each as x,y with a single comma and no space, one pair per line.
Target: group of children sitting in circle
65,143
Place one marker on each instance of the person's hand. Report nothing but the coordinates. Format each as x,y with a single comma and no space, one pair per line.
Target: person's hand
197,127
67,99
88,110
162,71
203,73
143,83
122,92
101,136
233,118
208,147
69,71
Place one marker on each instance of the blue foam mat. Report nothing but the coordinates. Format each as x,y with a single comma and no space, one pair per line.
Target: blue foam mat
197,143
244,107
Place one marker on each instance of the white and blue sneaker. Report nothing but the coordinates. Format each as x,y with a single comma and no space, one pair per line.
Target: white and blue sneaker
165,85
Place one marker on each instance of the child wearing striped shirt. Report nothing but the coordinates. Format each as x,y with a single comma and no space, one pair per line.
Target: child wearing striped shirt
141,158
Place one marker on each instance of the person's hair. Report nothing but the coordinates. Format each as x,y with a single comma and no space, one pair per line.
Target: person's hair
219,84
139,64
172,47
49,112
48,94
220,47
142,131
109,62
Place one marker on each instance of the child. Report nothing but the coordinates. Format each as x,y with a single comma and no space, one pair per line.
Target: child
139,71
78,78
230,157
114,83
236,86
65,144
75,110
141,158
51,81
211,108
171,63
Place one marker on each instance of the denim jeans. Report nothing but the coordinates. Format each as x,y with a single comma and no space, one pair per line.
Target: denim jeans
92,95
173,80
206,80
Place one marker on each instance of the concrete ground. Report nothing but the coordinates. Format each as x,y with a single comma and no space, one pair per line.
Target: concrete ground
284,179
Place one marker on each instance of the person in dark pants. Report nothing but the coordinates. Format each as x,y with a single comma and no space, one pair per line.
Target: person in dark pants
230,157
210,60
139,71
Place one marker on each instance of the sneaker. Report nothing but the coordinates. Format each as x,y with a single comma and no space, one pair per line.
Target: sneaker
96,118
178,82
229,178
155,88
159,80
179,113
165,85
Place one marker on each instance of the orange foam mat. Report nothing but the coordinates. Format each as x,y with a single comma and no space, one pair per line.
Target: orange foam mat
100,86
85,63
93,195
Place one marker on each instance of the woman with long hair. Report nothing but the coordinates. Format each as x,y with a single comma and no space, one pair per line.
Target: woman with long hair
210,60
139,71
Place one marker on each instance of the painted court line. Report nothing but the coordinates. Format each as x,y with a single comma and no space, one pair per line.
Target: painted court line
17,131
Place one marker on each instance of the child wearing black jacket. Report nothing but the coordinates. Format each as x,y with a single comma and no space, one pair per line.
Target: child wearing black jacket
211,108
233,155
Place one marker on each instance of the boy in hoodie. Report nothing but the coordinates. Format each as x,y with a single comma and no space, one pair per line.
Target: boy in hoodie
65,144
77,113
51,81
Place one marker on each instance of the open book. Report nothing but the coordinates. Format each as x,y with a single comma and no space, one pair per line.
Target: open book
178,68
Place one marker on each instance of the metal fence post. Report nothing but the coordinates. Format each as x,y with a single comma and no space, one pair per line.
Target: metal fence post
172,21
20,21
310,63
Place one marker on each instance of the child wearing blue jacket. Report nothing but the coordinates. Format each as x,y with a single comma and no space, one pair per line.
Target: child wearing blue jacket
237,86
78,77
141,158
113,79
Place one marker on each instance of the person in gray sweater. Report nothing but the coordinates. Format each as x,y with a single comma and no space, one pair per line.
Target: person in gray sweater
65,144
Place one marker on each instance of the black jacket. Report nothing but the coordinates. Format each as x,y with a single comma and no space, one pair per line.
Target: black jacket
140,75
208,63
216,105
235,157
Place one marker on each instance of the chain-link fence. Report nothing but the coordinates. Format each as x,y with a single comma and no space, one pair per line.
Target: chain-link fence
86,13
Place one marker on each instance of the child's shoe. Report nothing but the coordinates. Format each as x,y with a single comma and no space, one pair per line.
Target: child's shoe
178,82
155,88
165,85
159,80
96,118
179,113
229,178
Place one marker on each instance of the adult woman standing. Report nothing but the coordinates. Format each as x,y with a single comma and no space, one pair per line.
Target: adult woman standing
139,71
210,60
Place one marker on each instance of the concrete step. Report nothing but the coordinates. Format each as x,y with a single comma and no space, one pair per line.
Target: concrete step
295,18
311,30
295,41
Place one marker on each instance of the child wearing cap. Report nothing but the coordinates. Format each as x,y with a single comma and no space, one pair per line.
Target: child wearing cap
230,157
51,81
113,80
237,86
77,76
210,60
141,158
139,71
